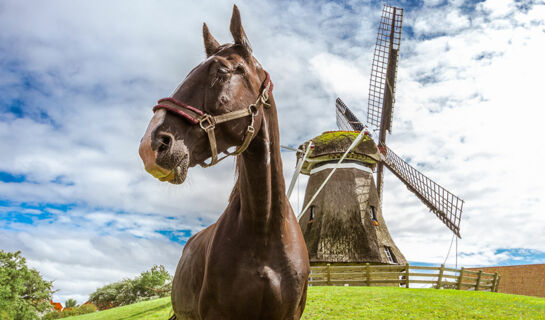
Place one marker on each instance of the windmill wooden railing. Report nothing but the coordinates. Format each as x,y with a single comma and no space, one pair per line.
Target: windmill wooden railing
403,275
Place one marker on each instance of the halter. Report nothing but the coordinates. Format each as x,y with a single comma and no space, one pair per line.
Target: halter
208,122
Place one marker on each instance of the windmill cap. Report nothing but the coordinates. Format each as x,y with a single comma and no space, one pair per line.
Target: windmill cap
331,145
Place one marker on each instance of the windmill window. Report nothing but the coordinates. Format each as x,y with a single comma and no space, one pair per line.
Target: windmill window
311,217
373,213
389,254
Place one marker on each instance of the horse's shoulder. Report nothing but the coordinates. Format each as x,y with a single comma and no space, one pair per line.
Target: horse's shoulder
201,237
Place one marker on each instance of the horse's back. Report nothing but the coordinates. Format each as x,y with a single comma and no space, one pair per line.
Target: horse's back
187,282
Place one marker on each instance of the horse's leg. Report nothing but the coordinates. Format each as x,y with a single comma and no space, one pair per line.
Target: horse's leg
302,302
188,279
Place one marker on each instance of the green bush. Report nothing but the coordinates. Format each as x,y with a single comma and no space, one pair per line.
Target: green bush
87,308
53,315
67,312
155,283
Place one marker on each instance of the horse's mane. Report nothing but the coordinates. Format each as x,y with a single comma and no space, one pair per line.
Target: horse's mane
235,193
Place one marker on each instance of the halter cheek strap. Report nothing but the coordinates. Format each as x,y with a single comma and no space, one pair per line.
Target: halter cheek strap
208,122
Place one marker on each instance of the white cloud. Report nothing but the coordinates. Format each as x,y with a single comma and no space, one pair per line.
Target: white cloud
468,110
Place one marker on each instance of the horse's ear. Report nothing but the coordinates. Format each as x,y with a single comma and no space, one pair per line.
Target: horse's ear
238,32
210,43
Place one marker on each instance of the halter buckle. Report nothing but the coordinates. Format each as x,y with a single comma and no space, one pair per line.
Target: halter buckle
251,129
207,122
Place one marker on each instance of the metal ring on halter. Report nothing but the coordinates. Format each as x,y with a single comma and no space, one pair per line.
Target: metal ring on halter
253,109
210,124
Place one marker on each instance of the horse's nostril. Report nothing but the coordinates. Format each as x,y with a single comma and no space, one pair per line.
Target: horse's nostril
164,143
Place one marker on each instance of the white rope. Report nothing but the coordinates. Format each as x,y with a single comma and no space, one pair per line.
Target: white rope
450,247
456,267
300,163
291,149
352,146
298,192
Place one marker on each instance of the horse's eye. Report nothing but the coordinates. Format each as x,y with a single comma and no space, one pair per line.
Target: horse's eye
223,71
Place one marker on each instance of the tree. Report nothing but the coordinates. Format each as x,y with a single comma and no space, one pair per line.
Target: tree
23,292
156,282
70,303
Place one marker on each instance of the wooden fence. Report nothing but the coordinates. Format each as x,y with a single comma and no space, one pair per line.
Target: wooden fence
403,275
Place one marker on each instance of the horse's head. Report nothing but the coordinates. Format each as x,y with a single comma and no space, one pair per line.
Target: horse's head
215,108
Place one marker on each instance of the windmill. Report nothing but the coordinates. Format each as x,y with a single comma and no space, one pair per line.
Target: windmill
342,221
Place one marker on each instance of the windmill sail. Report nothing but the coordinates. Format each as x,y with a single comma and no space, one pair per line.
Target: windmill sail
384,70
346,120
445,205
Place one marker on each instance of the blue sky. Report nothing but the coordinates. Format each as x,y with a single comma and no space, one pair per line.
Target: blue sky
78,80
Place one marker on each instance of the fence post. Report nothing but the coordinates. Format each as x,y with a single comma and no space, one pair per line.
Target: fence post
498,283
440,277
328,274
461,278
368,271
406,275
478,280
493,289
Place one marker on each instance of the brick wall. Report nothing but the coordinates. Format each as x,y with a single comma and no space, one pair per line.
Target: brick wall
528,280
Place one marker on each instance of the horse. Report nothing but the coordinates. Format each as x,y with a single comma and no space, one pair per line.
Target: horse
253,262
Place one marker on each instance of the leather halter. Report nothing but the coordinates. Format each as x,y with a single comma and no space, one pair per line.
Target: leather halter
208,122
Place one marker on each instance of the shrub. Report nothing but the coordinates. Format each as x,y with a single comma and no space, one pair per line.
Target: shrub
53,315
67,312
154,283
87,308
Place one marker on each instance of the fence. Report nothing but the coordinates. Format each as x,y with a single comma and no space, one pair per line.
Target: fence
403,275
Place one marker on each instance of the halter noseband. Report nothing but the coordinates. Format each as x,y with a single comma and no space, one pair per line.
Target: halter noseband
208,122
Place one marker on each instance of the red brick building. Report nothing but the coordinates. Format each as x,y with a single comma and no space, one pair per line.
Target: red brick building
528,280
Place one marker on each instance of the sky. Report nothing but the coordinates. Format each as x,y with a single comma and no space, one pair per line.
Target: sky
78,81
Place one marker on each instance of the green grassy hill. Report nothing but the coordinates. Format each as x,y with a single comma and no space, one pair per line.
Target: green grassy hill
374,303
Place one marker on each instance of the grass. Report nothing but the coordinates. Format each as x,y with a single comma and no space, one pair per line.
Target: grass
158,309
373,303
400,303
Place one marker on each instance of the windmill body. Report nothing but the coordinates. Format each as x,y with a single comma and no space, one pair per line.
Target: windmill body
344,224
342,221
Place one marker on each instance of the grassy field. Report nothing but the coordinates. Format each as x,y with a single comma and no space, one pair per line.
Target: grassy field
373,303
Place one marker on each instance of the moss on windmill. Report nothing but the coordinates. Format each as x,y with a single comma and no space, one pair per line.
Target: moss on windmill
331,145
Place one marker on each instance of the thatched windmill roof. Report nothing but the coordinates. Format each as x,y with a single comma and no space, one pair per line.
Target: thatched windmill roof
331,145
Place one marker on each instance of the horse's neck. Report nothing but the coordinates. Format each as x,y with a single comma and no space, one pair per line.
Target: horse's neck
261,182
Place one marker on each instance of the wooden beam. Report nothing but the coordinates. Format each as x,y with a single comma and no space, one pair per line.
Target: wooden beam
478,280
440,277
460,277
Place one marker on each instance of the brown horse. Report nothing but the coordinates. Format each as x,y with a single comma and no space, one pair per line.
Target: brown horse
252,263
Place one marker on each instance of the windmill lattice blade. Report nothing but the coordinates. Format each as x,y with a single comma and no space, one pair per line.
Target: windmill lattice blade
384,70
446,206
346,120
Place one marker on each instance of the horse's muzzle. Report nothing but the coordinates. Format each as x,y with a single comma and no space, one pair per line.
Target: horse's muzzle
164,157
